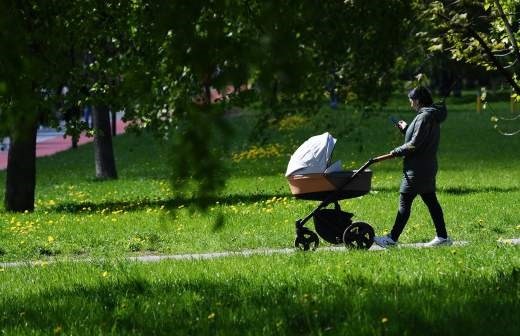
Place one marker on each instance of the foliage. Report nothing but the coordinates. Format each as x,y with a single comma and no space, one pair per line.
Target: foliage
60,43
477,32
280,56
485,33
58,54
200,152
34,61
287,53
160,60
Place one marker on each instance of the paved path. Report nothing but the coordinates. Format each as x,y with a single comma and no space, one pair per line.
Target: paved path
243,253
49,142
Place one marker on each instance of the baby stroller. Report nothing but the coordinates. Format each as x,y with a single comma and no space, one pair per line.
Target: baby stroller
312,177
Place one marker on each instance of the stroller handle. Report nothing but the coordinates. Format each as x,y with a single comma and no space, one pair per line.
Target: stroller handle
370,162
381,158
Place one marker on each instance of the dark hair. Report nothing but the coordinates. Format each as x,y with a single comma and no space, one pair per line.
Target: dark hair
422,95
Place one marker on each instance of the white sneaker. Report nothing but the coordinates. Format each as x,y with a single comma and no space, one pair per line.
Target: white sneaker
385,241
439,241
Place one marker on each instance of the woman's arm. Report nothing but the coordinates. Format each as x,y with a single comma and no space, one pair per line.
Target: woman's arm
421,132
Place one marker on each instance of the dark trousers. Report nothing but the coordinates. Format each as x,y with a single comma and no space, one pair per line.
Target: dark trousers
405,206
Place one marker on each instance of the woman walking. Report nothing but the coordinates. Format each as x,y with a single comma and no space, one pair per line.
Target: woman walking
419,150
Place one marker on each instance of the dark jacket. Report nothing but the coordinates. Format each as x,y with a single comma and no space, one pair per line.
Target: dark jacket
421,142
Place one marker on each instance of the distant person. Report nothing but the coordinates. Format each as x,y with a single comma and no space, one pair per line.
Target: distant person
87,115
419,150
332,89
87,109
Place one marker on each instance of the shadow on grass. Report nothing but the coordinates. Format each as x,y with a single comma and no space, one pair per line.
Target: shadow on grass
174,203
313,305
457,190
467,190
170,204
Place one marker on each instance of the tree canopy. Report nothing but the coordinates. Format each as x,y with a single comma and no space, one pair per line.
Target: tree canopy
484,33
155,59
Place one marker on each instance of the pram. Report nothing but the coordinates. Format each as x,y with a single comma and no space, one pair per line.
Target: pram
312,177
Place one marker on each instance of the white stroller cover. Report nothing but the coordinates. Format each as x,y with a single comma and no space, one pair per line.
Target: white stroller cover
313,156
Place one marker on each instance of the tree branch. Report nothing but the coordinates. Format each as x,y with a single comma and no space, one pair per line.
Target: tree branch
468,29
509,30
489,53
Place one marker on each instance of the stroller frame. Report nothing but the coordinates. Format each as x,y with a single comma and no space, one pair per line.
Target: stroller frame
357,235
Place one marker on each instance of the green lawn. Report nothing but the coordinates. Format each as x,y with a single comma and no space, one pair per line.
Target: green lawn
89,227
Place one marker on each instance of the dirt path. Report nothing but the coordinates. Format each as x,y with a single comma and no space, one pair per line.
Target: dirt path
225,254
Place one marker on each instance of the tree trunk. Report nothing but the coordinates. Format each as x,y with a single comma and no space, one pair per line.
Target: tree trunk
21,170
113,114
103,151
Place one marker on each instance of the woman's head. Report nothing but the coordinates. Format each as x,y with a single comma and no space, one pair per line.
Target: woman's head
420,97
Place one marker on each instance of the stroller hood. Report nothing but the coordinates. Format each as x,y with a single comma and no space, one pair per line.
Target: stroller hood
313,156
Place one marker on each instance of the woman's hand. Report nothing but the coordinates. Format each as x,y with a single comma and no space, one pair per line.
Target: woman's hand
401,124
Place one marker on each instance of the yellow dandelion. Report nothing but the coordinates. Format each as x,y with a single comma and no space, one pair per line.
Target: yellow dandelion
50,239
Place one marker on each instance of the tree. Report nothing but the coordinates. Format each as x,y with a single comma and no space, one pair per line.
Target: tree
104,47
156,57
45,46
484,33
103,149
33,65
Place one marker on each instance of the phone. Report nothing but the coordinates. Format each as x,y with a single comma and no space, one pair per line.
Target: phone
394,121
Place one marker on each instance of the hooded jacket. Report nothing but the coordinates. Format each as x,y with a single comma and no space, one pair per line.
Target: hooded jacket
421,142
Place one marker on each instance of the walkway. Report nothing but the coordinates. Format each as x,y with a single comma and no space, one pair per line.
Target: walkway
243,253
49,142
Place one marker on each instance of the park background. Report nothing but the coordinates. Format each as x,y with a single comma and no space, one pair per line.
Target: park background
199,172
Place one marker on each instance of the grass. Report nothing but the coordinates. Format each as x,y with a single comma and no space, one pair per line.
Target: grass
442,291
473,289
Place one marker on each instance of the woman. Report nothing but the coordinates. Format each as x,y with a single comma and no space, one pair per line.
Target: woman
419,150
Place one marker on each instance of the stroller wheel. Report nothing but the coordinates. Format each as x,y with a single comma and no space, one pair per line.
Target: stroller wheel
306,239
359,235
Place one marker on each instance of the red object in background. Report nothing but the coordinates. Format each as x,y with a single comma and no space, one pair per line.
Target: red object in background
52,145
